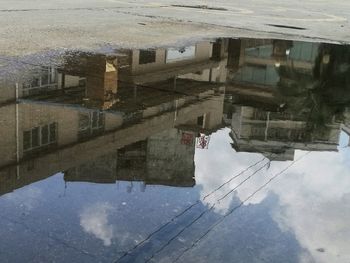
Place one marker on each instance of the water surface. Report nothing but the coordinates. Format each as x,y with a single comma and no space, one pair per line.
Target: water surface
228,150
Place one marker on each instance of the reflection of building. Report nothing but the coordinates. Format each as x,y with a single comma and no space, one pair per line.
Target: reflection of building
278,133
98,75
61,128
91,79
135,116
29,128
166,158
203,61
100,170
67,150
260,115
346,123
162,159
261,63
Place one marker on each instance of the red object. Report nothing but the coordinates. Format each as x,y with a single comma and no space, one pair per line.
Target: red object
187,138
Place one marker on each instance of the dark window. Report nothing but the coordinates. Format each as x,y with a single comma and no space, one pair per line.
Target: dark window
35,82
94,119
53,77
147,56
45,78
35,137
200,120
53,129
26,85
84,121
39,137
101,119
27,140
82,82
90,124
45,134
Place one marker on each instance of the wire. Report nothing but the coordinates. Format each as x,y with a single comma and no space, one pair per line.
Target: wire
185,210
205,212
198,201
238,206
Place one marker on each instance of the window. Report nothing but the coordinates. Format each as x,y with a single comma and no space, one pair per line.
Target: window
39,137
82,82
45,134
27,140
260,115
258,132
44,78
84,121
91,123
200,120
35,137
35,82
147,56
185,53
95,119
53,132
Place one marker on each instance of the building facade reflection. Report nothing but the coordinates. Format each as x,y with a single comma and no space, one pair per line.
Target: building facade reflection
87,121
270,100
135,115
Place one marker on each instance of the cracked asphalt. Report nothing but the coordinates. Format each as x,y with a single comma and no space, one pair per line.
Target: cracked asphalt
28,27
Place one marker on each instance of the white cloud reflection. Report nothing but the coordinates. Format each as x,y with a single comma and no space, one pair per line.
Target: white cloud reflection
94,220
314,194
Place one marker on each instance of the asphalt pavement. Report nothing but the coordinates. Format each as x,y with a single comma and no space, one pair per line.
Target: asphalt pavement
28,27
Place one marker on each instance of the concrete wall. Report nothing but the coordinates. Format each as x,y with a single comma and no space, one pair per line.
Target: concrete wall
168,159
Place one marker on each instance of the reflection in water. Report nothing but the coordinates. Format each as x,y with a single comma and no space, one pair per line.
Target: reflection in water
312,195
94,220
220,120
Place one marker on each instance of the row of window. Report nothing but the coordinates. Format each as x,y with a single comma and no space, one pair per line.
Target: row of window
44,77
91,123
279,133
172,54
40,136
91,120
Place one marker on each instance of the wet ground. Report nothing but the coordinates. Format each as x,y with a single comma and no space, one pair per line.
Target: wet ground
33,26
223,150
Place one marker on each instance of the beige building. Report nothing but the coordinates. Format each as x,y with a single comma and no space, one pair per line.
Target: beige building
57,128
63,149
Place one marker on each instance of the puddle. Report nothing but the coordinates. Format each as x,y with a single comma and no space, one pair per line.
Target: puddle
219,150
